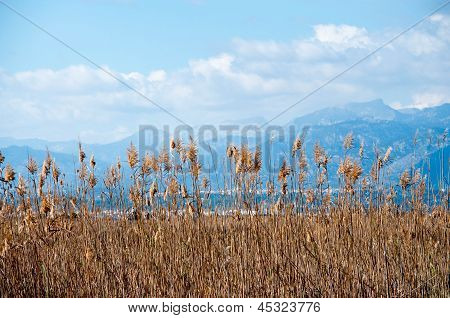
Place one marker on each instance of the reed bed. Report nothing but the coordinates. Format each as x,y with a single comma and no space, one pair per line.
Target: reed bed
288,237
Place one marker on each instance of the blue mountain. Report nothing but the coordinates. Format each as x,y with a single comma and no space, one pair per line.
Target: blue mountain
376,124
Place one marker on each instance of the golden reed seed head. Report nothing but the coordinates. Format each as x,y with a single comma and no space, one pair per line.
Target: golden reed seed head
405,179
92,162
310,196
178,146
327,198
41,184
231,151
119,165
195,169
320,157
361,149
244,153
134,194
21,186
284,171
146,164
387,155
243,159
236,155
343,167
238,168
284,187
317,153
417,177
184,192
164,159
115,173
154,163
297,145
205,183
302,177
190,209
257,162
173,144
348,141
55,172
321,178
82,172
81,153
192,151
32,166
9,174
46,166
279,205
166,193
110,177
374,171
45,205
153,189
183,154
132,156
302,161
356,172
351,170
92,180
173,187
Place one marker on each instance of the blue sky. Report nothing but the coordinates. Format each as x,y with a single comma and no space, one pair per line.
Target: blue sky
132,35
209,61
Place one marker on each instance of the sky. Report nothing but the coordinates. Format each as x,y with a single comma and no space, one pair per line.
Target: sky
209,62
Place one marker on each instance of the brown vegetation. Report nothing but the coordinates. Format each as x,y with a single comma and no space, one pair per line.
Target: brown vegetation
167,239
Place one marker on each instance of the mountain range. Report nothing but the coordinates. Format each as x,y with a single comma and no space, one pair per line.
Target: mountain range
374,123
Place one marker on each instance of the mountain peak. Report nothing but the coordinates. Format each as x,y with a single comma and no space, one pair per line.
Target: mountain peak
371,110
376,103
374,110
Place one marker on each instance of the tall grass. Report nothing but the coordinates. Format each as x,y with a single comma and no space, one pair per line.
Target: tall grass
161,235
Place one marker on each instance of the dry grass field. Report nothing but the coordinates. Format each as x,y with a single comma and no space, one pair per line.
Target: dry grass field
299,239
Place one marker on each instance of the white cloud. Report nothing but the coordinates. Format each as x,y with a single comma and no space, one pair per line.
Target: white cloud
157,76
72,78
420,43
215,65
269,49
254,78
424,100
342,37
443,23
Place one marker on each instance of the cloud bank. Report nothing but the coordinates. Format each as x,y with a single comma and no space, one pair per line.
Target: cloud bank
254,79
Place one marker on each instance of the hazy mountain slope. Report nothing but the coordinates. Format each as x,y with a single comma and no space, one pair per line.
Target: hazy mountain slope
439,159
376,123
18,157
40,144
370,111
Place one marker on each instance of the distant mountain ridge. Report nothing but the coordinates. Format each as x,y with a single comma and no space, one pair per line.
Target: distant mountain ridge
377,124
374,111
